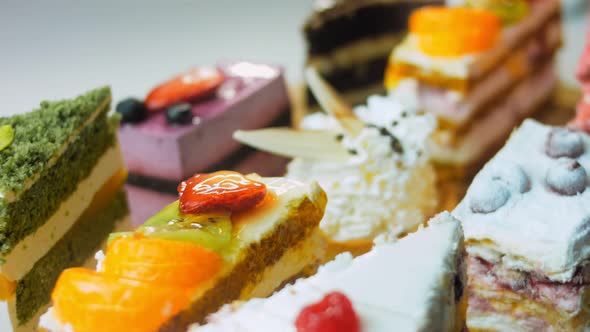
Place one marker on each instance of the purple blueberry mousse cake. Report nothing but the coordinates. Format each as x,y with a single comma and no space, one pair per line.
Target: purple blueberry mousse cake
185,126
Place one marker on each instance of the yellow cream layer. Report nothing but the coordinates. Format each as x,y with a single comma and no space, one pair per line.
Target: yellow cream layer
106,178
293,263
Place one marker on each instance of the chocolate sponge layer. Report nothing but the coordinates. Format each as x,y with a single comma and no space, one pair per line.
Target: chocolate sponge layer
78,244
350,21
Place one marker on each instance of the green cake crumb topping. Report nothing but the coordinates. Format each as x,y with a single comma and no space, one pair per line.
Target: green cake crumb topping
38,135
22,217
34,290
6,136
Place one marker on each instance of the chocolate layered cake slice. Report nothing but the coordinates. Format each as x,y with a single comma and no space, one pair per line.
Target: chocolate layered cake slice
415,284
481,69
229,237
526,220
348,42
61,179
184,126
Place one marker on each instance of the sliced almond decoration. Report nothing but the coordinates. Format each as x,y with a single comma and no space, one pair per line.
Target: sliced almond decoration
333,103
286,142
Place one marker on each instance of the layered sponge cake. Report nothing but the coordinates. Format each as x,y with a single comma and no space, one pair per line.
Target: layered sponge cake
348,42
481,68
229,237
526,222
61,178
395,287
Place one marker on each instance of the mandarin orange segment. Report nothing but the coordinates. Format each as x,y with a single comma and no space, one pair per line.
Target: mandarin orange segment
162,262
454,31
90,301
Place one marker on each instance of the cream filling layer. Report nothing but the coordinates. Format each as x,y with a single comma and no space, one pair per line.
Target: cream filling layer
409,52
495,124
12,196
355,53
295,260
28,251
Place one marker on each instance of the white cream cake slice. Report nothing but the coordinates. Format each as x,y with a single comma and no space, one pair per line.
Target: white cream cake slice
415,284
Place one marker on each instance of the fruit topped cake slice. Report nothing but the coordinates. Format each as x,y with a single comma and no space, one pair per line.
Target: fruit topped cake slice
229,237
412,285
184,126
481,68
526,219
61,178
348,42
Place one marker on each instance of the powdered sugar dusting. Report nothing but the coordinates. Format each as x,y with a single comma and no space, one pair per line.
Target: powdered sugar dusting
387,186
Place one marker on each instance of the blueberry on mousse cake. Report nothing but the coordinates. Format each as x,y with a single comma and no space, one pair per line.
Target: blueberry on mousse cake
185,125
349,41
395,287
229,237
372,162
526,219
61,194
481,68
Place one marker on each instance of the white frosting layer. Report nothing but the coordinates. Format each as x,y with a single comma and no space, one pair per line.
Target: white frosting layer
378,191
407,286
409,52
535,230
29,250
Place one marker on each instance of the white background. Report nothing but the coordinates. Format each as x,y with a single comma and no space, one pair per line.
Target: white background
58,49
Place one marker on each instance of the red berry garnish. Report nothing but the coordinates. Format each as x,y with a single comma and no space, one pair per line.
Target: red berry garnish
334,313
223,190
195,83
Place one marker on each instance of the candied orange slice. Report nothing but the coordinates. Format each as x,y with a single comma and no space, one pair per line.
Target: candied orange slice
161,262
454,31
90,301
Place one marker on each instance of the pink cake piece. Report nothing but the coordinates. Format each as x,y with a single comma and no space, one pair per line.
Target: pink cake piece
252,96
582,120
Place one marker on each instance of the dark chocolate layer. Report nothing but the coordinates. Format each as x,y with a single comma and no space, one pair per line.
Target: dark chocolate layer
79,243
355,77
326,31
22,217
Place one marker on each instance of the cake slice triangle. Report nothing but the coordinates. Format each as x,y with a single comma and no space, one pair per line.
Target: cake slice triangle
61,194
415,284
